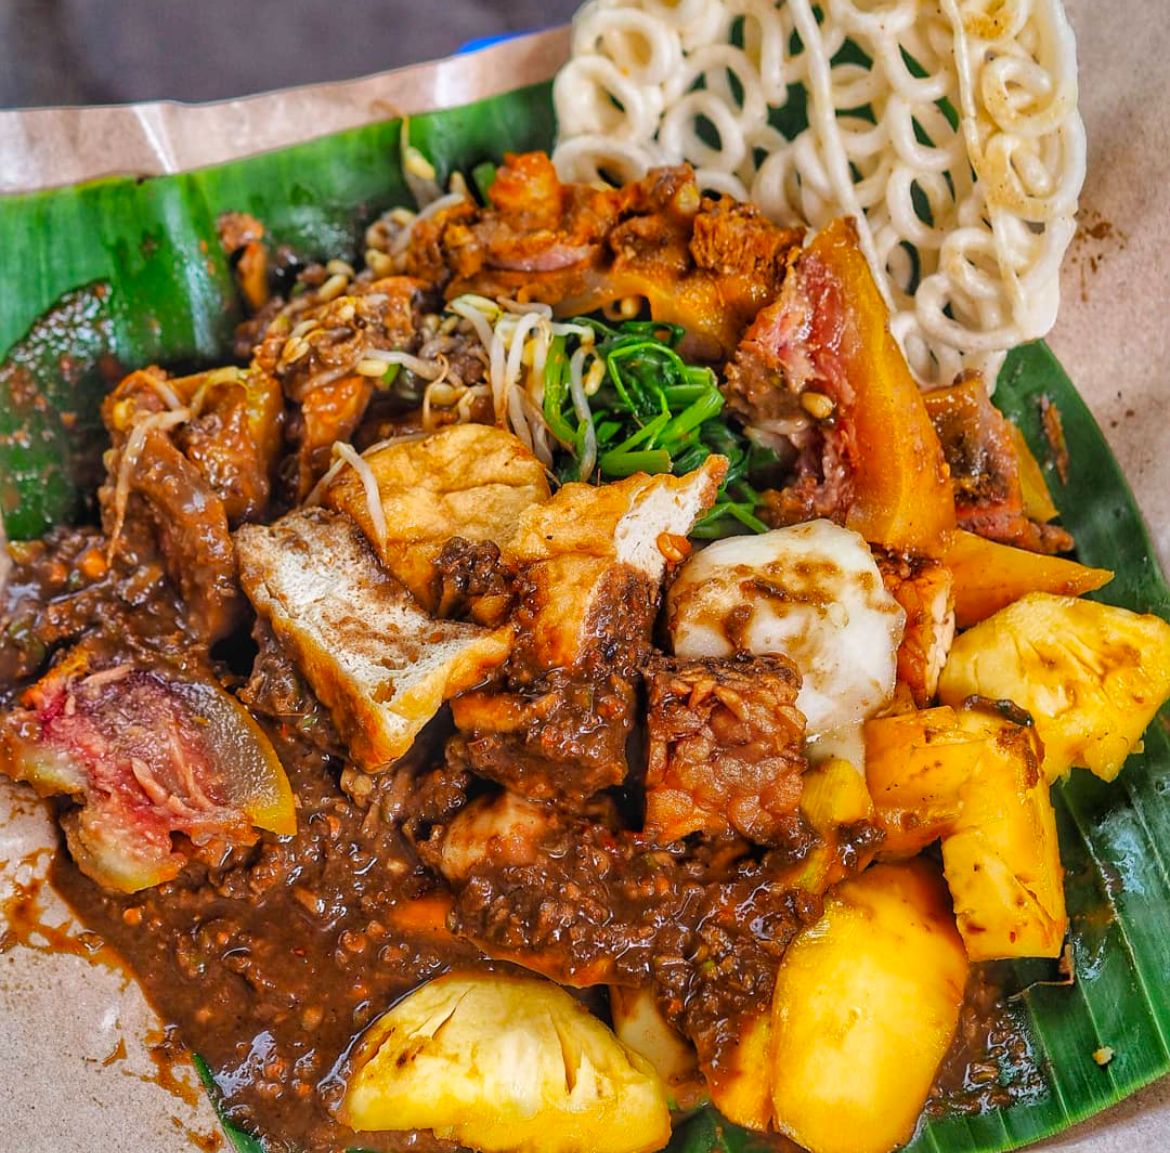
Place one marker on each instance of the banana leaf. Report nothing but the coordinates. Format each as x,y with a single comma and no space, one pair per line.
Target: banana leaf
119,273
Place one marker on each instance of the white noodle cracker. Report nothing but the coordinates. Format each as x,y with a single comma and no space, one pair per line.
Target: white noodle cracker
964,224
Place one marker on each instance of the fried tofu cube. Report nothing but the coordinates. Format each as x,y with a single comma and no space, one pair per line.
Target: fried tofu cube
375,659
470,481
591,553
589,565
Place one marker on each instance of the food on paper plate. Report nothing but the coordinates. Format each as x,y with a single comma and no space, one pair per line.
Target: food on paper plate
570,679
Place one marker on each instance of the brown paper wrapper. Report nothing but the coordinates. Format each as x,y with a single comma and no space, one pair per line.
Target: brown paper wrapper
69,1084
48,147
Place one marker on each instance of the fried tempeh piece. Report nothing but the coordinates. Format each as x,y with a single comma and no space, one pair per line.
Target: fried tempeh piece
590,565
379,663
725,755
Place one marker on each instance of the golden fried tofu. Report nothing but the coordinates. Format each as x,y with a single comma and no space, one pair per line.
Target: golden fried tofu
375,659
471,481
591,556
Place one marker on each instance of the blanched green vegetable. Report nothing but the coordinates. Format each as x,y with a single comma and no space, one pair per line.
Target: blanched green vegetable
650,411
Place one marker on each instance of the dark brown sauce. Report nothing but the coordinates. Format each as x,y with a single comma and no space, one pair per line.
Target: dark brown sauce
990,1064
172,1065
271,968
23,920
206,1142
272,963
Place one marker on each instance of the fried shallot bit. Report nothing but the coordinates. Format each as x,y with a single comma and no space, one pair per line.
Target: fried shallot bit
705,264
985,468
142,754
725,748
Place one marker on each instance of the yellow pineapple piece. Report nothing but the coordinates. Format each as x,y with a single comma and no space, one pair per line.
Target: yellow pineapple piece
1092,676
916,765
500,1062
834,794
866,1004
1002,858
972,778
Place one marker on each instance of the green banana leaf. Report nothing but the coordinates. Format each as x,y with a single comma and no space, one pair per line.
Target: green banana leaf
120,273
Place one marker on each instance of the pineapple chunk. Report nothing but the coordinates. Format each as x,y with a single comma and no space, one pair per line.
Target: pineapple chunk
916,766
640,1025
866,1004
1002,859
501,1062
1091,675
834,795
973,778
